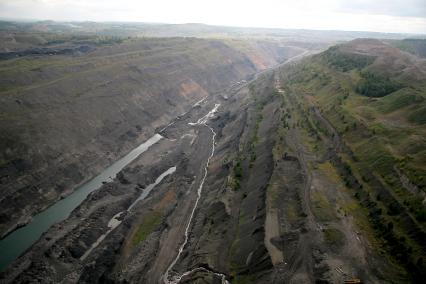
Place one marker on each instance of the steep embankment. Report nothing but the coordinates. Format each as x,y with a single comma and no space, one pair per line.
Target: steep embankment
212,207
316,175
363,107
64,118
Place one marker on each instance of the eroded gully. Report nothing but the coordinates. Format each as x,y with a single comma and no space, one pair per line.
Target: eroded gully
177,278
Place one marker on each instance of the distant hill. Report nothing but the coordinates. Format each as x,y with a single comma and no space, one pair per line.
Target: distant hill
414,46
125,29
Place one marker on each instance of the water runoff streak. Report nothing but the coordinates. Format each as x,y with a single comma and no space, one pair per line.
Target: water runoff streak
177,278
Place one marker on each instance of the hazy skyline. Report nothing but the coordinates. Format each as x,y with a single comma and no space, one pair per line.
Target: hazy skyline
400,16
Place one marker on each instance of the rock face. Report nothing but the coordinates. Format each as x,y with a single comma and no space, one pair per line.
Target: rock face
65,118
225,233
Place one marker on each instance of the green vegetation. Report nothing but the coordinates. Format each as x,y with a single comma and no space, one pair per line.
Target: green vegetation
418,116
381,211
243,279
251,147
375,85
54,39
333,237
402,98
149,223
343,61
255,138
380,138
322,208
412,45
238,170
237,175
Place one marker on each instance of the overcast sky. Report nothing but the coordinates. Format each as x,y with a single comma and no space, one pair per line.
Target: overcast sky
407,16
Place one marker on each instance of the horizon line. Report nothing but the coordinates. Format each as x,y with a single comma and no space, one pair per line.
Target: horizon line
26,20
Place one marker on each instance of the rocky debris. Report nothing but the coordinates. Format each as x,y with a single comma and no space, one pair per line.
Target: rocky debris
73,119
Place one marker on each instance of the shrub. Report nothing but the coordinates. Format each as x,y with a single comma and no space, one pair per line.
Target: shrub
343,61
238,170
375,85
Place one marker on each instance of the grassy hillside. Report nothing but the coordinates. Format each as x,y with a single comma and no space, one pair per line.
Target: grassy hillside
373,96
414,46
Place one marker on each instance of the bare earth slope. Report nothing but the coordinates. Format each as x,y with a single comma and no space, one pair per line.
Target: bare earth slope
309,173
66,117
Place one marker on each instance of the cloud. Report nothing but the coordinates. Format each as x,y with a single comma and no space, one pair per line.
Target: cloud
400,8
368,15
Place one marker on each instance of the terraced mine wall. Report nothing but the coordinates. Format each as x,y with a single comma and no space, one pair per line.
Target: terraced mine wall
65,118
372,141
267,186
